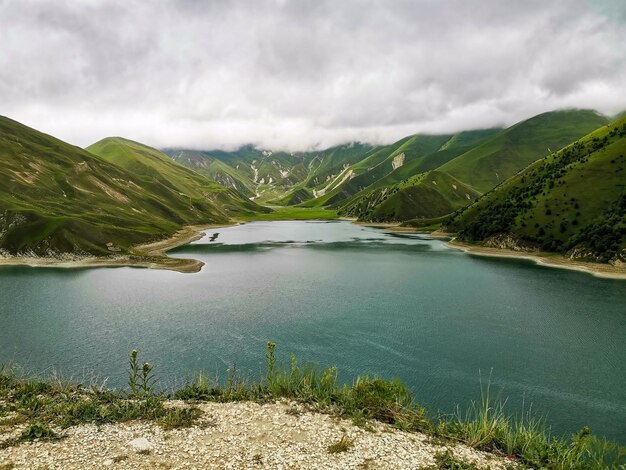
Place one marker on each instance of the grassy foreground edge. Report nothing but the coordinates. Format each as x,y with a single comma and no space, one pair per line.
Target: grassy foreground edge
41,405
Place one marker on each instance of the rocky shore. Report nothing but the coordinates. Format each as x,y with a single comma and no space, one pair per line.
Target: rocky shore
281,435
553,260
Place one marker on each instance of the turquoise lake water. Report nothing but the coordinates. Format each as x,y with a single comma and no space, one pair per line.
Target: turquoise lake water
336,293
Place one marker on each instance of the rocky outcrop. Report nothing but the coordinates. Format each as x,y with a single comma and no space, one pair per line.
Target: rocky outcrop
398,161
508,241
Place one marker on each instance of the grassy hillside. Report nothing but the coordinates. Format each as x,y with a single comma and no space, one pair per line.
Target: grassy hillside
474,163
405,194
328,169
518,146
56,198
573,201
216,170
257,165
426,195
155,167
390,183
279,178
384,161
455,146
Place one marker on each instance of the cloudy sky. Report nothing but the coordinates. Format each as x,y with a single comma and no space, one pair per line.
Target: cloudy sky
302,74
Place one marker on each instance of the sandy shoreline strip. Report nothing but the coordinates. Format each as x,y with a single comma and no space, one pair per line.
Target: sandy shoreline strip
551,260
151,255
154,255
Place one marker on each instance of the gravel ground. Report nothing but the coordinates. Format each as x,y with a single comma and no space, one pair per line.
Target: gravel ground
232,436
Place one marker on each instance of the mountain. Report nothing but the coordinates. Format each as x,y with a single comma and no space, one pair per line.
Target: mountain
216,170
572,201
408,191
252,171
518,146
425,195
418,177
380,163
157,168
328,170
57,198
473,164
278,177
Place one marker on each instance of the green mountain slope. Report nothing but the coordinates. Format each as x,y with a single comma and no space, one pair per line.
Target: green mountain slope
276,177
155,167
474,162
216,170
328,169
384,161
401,187
427,195
356,179
56,198
455,146
259,174
573,201
518,146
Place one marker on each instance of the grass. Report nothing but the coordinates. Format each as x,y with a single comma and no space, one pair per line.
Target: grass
574,199
518,146
447,461
292,213
342,445
43,405
427,195
58,198
459,171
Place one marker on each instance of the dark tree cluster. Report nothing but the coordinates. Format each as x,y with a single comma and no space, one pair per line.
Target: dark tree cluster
603,237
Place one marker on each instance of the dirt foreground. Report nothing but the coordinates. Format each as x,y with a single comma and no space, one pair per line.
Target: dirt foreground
281,435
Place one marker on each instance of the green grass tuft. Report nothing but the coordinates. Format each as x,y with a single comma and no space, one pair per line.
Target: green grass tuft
342,445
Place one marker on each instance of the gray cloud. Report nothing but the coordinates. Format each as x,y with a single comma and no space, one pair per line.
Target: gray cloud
299,74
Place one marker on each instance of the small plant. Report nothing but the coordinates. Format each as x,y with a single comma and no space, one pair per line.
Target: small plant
342,445
141,380
179,418
133,373
37,431
199,389
148,380
271,361
447,461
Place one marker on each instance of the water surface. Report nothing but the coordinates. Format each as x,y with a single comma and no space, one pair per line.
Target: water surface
339,294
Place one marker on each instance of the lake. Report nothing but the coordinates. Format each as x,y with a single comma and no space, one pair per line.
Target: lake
336,293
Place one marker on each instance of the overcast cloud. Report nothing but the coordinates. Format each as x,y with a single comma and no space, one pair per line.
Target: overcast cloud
306,74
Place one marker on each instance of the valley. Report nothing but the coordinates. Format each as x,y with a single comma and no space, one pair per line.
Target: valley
64,206
281,234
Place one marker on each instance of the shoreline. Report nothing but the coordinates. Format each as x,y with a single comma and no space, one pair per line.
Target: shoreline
150,255
154,255
542,258
551,260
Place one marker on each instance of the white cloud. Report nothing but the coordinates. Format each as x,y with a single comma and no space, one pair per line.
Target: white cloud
295,75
